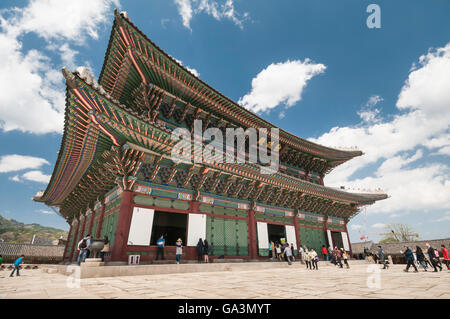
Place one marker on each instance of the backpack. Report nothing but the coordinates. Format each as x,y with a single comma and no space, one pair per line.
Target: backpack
83,243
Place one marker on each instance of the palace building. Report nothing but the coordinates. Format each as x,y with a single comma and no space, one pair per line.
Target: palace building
114,175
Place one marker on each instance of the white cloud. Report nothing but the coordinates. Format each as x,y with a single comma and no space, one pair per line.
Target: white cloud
14,162
46,212
36,176
356,227
379,225
15,178
394,158
374,100
280,83
188,8
192,70
32,95
370,114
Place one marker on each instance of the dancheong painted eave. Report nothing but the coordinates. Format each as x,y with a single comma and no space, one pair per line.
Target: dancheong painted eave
132,58
97,126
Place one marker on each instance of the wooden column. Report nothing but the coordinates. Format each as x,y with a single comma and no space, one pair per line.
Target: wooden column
297,232
252,240
92,222
83,227
67,243
75,234
348,238
100,220
123,227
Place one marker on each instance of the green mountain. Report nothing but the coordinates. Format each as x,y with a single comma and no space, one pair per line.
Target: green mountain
13,231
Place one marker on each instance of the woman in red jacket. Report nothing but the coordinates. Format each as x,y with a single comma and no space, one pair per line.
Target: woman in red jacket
324,252
445,256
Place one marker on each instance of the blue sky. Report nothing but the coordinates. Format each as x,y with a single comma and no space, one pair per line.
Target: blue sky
313,68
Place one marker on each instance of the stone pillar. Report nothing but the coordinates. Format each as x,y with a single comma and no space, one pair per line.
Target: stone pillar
123,227
252,240
75,234
100,220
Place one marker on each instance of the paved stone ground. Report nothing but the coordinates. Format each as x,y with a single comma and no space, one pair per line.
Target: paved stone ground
292,282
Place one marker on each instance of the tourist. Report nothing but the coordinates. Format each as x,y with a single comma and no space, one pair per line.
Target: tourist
421,257
324,253
178,250
271,250
330,254
438,259
337,253
1,260
427,260
432,256
314,259
345,257
106,249
205,251
200,249
382,257
288,254
17,263
160,243
278,251
375,258
301,253
444,256
307,258
292,250
409,259
82,247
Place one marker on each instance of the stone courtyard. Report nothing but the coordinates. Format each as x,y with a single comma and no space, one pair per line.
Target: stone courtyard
279,281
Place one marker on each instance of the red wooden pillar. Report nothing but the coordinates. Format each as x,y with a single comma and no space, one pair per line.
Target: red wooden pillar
91,223
348,239
123,227
83,227
100,220
297,232
252,240
74,240
67,243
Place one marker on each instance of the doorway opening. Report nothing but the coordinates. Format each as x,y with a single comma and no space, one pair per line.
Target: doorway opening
171,225
276,233
337,239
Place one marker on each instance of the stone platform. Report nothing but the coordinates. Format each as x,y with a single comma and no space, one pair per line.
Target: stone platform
283,281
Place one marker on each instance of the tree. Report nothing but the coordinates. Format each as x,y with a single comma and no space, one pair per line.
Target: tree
398,232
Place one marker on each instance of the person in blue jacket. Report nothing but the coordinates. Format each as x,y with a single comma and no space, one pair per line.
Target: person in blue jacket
409,259
17,265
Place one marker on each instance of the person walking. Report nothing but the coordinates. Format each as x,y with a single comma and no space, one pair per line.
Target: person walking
288,254
444,256
421,257
106,249
200,249
338,256
432,256
409,259
178,250
278,251
382,257
17,263
293,252
307,258
205,251
272,250
324,253
301,253
82,247
1,260
345,257
160,243
314,259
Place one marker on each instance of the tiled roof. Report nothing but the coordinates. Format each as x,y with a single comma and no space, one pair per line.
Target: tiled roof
29,250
